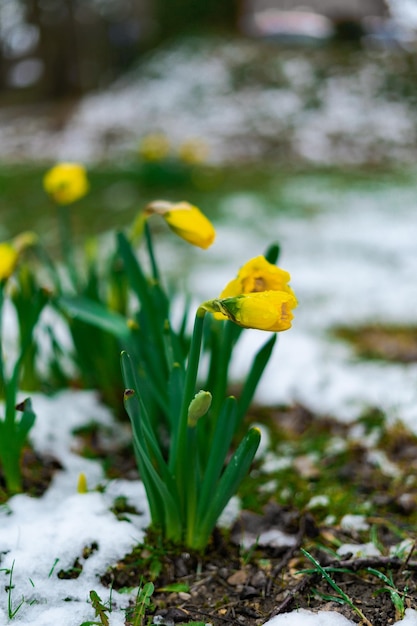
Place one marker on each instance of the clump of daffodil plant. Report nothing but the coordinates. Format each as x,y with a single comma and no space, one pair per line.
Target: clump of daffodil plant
184,424
89,275
18,418
190,485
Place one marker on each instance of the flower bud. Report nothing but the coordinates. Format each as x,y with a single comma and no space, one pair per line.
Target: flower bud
199,406
186,220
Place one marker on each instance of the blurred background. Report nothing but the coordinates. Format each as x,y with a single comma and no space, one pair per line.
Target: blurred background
183,98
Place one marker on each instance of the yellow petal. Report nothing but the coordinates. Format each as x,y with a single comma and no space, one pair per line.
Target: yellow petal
266,310
258,275
66,182
186,220
8,260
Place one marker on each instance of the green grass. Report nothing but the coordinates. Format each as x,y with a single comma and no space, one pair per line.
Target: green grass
325,458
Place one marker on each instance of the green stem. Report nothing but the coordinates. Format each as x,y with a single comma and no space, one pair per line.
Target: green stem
2,379
64,224
192,477
178,454
228,340
152,258
11,470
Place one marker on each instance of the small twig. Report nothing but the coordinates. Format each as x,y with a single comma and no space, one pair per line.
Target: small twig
302,586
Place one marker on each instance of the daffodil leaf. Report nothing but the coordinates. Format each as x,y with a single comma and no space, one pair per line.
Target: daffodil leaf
95,314
272,253
159,483
236,470
257,369
26,421
175,392
218,450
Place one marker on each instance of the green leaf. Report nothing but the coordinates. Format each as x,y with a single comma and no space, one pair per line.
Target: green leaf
94,313
26,422
229,482
137,279
159,483
175,394
272,253
258,367
222,439
175,587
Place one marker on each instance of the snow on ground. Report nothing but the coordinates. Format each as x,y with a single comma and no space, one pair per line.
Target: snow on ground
243,104
328,618
351,262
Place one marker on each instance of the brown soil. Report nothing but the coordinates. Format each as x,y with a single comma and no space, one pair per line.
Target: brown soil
390,343
37,473
226,585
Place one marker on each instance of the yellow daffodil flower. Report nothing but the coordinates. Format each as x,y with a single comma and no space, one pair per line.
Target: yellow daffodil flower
66,182
186,220
154,147
255,277
258,275
8,260
263,310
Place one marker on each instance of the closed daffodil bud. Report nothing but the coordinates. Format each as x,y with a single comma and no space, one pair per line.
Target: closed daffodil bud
186,220
264,310
66,182
199,406
8,260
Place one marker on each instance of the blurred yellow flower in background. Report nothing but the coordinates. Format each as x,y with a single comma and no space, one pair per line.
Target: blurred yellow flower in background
154,147
193,151
186,220
8,260
66,182
26,239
